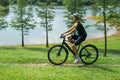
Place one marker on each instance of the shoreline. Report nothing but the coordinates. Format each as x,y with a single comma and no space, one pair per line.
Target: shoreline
97,20
4,8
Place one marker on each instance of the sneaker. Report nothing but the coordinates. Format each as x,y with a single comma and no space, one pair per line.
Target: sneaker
77,60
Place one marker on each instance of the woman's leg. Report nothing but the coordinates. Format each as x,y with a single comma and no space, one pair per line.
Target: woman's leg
70,39
74,49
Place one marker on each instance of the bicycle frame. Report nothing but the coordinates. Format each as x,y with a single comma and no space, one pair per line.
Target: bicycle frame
64,43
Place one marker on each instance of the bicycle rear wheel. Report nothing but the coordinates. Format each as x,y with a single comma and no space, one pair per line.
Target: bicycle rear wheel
57,54
88,54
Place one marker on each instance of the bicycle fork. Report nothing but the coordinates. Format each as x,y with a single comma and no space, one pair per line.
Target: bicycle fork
59,51
60,48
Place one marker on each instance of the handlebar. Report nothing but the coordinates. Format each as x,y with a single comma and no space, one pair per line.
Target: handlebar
61,36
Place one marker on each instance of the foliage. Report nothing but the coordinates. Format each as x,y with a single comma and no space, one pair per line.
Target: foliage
4,3
3,23
46,14
98,10
60,2
89,2
23,20
114,15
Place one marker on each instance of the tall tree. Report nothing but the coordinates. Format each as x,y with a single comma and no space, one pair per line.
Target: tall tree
105,32
46,14
102,7
23,18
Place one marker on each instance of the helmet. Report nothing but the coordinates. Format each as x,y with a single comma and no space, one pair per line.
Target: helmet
76,15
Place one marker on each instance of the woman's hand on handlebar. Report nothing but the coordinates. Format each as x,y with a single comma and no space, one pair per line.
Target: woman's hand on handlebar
62,36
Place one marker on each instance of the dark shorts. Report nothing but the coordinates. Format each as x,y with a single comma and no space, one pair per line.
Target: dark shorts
79,39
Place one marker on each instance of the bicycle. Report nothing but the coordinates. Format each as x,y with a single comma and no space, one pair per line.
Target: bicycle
58,54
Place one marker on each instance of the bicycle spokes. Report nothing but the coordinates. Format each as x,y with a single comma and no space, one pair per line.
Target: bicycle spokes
89,54
57,55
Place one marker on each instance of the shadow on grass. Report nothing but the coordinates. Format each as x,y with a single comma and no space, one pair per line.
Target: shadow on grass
26,48
8,48
110,51
37,49
100,67
93,66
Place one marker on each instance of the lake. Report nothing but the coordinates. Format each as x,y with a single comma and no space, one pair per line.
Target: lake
37,35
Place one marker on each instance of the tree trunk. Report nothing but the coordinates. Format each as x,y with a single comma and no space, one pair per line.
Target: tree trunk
105,33
22,30
22,38
47,44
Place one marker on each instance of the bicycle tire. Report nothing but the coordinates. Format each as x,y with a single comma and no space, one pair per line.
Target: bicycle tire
53,56
89,54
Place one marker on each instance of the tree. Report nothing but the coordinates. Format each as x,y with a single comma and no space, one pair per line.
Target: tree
105,32
23,18
46,14
103,7
73,6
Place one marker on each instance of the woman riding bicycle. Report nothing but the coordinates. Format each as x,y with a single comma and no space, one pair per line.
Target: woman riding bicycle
80,37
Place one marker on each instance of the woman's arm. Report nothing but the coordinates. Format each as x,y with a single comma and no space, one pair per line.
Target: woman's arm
66,32
70,32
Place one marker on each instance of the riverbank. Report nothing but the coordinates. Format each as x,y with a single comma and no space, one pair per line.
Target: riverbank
98,20
3,8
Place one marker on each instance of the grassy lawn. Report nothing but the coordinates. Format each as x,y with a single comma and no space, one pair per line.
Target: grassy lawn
92,72
14,60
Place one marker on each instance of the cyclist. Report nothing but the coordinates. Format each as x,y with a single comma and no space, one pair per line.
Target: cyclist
80,37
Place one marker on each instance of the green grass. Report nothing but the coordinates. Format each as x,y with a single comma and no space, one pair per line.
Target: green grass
17,54
14,60
92,72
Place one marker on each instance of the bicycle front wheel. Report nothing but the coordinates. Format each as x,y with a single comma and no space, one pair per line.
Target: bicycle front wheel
89,54
57,54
